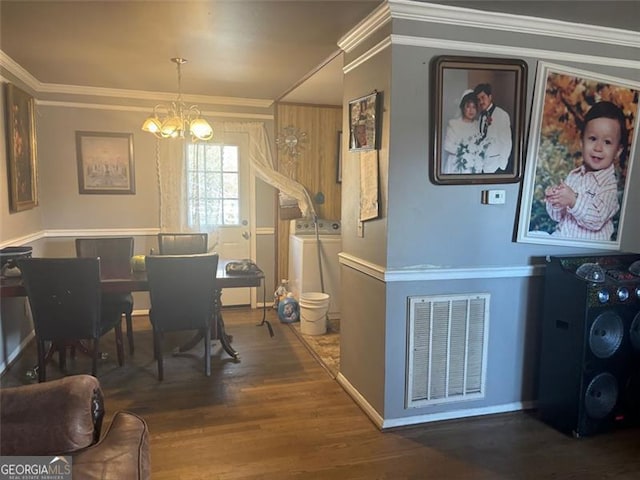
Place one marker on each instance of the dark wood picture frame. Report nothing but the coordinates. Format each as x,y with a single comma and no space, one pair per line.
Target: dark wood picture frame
477,149
22,170
364,122
105,163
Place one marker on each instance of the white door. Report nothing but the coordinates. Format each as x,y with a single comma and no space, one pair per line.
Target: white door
226,172
236,238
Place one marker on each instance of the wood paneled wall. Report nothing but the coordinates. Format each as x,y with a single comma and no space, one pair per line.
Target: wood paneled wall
315,168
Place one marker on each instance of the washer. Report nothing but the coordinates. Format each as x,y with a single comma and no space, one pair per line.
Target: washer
304,272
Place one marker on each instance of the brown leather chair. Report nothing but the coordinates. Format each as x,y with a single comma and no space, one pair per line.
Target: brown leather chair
66,305
64,417
115,262
182,292
182,243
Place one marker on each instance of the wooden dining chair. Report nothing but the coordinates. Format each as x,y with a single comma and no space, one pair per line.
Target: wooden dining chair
182,289
115,262
66,305
182,243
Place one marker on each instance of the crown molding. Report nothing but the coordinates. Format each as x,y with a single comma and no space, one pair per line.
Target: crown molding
487,48
466,17
513,51
375,20
372,52
24,76
146,110
17,71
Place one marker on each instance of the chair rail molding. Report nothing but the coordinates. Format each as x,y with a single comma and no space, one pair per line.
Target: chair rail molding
417,273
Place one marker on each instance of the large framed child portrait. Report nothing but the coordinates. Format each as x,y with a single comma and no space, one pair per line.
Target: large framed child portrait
582,137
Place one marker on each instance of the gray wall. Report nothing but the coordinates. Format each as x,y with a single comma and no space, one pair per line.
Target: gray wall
433,230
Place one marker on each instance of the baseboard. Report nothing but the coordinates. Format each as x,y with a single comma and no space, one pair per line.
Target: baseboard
384,424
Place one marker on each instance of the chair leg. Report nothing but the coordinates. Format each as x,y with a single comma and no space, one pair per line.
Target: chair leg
94,359
119,344
42,363
62,355
129,320
207,351
158,353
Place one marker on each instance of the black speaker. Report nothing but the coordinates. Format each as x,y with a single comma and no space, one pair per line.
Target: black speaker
589,369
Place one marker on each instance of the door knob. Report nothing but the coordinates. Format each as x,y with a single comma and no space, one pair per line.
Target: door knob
246,235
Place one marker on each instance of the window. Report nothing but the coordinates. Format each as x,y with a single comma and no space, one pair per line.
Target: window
213,180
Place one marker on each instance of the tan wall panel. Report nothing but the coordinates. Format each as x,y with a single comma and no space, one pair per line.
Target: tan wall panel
315,168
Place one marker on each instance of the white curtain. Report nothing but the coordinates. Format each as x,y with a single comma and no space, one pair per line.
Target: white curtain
172,183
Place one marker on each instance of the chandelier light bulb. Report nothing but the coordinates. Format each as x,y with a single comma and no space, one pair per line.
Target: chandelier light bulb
201,129
151,125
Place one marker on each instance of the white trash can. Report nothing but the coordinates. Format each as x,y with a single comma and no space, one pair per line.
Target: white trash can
313,312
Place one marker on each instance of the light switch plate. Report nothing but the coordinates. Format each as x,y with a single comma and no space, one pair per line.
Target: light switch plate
494,197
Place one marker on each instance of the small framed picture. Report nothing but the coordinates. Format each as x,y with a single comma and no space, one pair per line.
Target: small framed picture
583,133
21,149
477,121
105,163
363,121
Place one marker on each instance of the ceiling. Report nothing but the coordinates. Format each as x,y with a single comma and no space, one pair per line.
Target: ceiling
234,48
264,49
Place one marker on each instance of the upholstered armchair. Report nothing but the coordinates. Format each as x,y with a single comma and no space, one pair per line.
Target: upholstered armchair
64,418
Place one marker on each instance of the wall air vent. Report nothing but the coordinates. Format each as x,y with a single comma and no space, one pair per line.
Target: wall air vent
447,351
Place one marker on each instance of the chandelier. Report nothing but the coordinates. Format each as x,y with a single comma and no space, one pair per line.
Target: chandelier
178,119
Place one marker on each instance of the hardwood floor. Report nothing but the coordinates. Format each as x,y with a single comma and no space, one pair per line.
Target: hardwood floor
278,414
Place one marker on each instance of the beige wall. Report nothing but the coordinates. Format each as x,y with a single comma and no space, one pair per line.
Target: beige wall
315,168
63,213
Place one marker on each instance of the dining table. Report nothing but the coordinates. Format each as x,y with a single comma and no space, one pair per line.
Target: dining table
136,281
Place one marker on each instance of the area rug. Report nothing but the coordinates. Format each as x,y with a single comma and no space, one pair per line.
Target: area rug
325,348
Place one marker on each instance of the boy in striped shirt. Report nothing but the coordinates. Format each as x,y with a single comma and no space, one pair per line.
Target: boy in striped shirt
585,203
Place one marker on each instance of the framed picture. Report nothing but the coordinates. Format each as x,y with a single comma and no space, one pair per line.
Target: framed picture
105,162
363,121
21,149
477,120
339,159
582,136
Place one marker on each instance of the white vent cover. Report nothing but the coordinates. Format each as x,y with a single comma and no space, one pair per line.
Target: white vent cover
447,348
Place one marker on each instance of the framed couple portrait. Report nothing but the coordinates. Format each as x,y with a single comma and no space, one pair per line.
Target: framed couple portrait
477,120
582,137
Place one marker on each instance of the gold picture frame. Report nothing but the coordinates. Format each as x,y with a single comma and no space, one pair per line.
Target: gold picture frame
105,163
22,171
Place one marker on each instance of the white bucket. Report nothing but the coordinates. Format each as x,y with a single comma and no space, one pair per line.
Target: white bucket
313,313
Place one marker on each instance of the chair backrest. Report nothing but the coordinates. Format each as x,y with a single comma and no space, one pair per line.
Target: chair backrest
115,254
182,243
64,295
181,289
